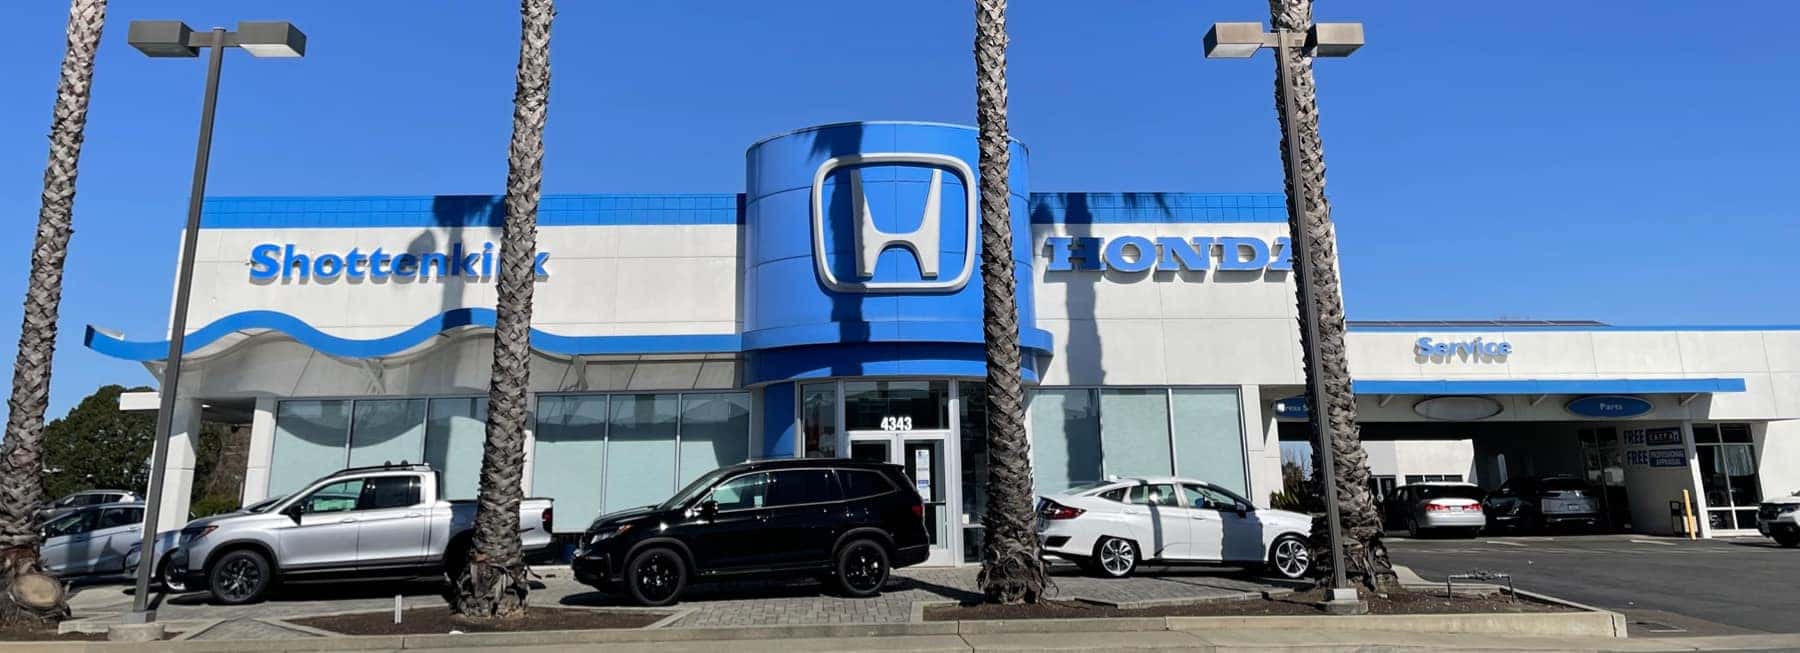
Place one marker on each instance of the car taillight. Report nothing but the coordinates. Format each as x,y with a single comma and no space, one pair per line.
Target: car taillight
1473,508
918,510
1434,507
1053,510
549,519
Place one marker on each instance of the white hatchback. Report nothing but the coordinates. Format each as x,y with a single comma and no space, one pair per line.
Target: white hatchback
1110,528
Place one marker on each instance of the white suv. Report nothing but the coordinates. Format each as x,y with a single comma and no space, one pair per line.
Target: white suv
1780,518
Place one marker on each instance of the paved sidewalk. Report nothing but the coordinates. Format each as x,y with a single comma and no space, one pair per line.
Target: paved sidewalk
736,604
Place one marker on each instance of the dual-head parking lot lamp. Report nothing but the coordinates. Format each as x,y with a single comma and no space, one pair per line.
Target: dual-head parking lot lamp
1241,41
173,38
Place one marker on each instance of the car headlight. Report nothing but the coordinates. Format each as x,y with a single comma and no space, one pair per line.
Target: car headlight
192,534
608,534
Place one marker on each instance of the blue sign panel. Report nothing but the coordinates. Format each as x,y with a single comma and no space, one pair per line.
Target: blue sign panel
1295,407
1609,406
1668,457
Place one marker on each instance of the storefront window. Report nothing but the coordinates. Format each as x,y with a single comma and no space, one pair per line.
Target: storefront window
896,405
1065,439
640,450
714,432
568,459
818,419
310,441
1134,431
1209,437
453,440
1727,458
971,399
384,431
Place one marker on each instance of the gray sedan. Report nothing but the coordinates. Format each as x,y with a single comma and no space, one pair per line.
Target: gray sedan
93,539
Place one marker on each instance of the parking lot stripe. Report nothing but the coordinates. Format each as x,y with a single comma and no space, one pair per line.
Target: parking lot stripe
1654,542
1504,542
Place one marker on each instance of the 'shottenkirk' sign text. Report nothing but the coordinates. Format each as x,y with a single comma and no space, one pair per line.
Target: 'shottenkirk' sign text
270,261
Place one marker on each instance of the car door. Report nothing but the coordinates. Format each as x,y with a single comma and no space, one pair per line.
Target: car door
1393,509
391,528
730,538
1227,527
1165,522
802,522
118,528
325,536
66,541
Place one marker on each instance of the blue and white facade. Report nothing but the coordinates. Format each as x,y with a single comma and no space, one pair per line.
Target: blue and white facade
833,307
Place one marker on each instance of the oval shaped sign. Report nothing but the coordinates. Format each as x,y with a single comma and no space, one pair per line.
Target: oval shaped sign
1294,407
1609,406
1457,408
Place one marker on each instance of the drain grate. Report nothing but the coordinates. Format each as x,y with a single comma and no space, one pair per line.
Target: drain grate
1656,627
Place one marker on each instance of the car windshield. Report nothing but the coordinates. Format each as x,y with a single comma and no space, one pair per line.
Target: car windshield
265,504
692,490
1448,491
1564,485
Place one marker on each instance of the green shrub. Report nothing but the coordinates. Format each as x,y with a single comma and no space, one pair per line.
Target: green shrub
214,504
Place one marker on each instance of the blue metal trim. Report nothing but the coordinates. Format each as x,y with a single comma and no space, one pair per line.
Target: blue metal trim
1157,208
1608,327
453,319
885,332
874,359
1547,386
465,211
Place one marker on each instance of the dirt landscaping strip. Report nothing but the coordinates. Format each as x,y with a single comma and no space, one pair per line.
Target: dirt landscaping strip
438,620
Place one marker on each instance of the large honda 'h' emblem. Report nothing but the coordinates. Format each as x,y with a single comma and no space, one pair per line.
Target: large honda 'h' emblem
924,242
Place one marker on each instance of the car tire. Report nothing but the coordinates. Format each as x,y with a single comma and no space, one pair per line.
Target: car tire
1115,557
1290,557
861,568
1412,528
656,576
170,581
1789,539
239,577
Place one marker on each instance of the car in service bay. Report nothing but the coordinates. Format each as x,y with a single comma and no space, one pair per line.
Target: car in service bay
844,522
1423,508
1535,503
1111,528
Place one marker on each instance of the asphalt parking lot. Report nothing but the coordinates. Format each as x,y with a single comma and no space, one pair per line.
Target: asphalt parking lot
1705,587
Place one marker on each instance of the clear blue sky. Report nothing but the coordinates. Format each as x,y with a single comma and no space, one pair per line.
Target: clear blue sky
1529,159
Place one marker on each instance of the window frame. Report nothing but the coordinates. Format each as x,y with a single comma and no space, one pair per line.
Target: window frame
366,500
1168,392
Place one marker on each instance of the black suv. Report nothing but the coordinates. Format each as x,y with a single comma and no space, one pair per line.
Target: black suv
847,523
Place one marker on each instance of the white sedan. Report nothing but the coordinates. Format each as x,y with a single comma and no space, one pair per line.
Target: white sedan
1113,527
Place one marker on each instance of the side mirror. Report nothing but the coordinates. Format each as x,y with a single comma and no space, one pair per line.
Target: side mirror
1243,510
709,509
294,511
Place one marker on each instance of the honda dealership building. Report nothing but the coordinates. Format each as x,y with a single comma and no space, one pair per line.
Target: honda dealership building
832,307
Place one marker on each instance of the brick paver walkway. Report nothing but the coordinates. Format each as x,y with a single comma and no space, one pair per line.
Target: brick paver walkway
798,602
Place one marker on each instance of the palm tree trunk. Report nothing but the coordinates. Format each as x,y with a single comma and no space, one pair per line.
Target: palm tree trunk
1357,516
1011,569
493,585
21,467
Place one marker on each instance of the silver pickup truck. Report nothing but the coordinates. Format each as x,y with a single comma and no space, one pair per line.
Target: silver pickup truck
364,523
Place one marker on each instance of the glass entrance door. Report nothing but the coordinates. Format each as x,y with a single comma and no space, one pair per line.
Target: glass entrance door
923,456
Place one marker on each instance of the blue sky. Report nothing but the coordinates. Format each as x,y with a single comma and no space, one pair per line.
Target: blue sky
1529,159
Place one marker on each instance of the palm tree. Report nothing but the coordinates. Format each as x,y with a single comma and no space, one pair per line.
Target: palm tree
493,582
1011,569
1360,522
29,592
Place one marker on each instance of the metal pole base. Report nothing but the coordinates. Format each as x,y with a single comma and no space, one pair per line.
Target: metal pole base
150,632
1343,601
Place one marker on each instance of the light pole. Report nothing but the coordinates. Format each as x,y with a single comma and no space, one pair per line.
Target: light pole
173,38
1241,41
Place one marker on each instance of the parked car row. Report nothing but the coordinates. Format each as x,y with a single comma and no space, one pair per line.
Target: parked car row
1779,518
1522,504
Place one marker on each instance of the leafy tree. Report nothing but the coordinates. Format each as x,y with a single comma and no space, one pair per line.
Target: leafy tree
99,446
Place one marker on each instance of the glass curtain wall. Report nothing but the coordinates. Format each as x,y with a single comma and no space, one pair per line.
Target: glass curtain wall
1082,435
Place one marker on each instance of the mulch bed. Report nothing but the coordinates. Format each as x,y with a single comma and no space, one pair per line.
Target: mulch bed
437,621
1298,603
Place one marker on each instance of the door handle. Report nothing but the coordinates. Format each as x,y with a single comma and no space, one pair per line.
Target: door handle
347,520
1201,516
1130,511
414,514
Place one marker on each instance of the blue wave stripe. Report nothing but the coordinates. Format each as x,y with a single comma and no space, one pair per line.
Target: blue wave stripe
352,348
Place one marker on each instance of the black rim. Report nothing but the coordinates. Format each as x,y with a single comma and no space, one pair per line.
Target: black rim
240,578
863,569
656,576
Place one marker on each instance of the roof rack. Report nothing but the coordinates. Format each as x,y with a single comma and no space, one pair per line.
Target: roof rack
382,467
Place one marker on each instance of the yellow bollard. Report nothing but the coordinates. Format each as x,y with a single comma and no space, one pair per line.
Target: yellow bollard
1687,515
